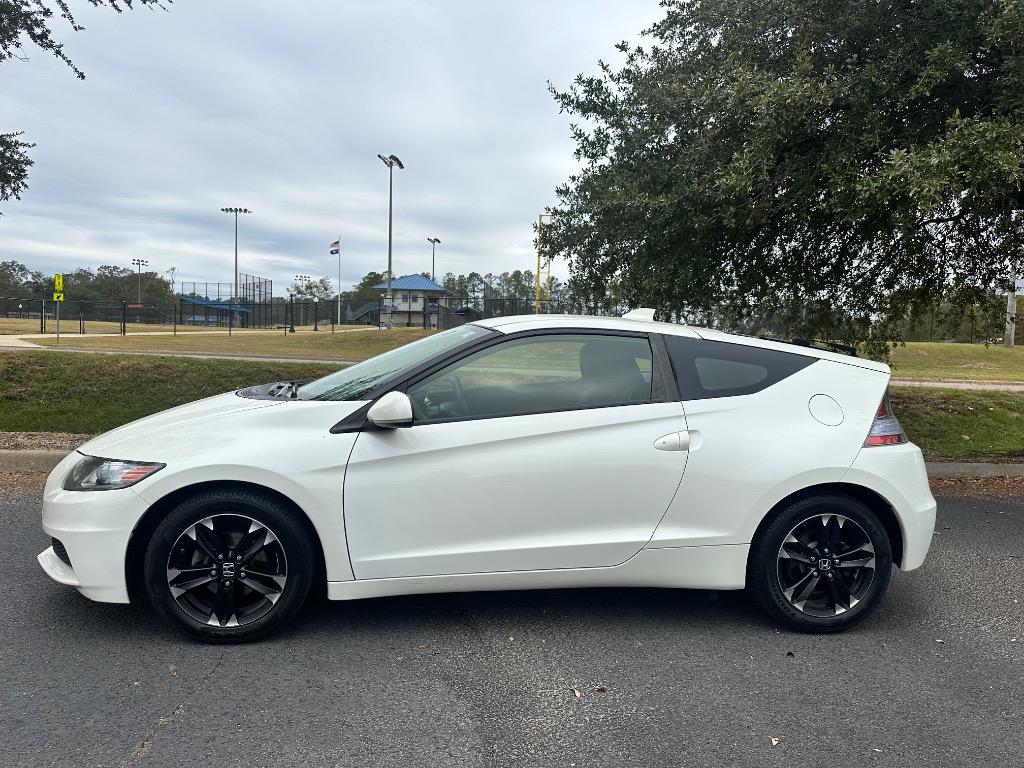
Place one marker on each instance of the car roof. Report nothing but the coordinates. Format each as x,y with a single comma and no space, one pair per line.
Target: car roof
517,323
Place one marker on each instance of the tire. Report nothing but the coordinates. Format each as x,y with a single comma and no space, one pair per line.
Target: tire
197,558
797,587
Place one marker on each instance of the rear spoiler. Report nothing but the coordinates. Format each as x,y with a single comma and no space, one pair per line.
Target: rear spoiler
831,346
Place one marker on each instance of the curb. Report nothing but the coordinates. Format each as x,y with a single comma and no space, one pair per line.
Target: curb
958,384
30,460
45,460
972,469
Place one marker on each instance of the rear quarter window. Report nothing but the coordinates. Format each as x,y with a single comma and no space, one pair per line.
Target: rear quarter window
705,369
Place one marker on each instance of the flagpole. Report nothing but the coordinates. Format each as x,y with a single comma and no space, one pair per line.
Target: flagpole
339,279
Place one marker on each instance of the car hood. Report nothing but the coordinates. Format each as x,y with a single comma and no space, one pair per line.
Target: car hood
213,423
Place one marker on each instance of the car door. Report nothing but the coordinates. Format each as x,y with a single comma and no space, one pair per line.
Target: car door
540,451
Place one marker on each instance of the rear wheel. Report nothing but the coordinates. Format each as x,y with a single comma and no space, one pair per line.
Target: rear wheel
822,565
229,566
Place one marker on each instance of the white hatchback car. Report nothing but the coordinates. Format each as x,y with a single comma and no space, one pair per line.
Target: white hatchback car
512,453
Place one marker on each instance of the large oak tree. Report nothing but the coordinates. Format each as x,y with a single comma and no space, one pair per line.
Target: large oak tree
26,25
831,164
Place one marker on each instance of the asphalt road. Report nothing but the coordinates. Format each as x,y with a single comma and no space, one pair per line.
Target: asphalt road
665,678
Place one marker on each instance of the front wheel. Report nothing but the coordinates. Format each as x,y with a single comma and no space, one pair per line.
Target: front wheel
822,565
229,566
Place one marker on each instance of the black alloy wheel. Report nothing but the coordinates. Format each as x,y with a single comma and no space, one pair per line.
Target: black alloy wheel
826,565
227,570
822,564
229,565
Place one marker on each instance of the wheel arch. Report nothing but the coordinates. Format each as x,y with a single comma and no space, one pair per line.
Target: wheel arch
870,498
144,528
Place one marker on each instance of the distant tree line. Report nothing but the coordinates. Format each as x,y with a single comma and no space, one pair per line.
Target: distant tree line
109,283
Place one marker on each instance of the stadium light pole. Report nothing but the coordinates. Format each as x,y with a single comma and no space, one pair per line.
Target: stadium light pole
301,280
434,242
140,263
339,279
235,211
390,161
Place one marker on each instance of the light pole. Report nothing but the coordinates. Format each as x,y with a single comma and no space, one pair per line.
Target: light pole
338,241
300,281
235,211
140,263
390,161
434,242
536,279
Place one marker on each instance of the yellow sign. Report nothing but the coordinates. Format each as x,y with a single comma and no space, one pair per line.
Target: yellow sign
58,285
58,295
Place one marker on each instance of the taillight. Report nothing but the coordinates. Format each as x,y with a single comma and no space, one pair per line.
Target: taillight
885,429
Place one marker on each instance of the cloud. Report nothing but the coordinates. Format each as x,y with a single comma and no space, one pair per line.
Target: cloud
282,108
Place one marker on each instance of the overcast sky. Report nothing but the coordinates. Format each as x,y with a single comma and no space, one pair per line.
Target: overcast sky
282,108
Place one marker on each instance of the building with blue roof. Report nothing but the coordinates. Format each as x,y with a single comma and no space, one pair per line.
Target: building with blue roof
415,301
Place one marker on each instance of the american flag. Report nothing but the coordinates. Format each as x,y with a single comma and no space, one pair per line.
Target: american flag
335,247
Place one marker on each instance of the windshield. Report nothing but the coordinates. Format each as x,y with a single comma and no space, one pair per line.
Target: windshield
355,382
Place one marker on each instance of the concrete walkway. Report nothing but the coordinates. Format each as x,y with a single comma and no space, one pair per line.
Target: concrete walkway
990,386
16,342
25,341
189,355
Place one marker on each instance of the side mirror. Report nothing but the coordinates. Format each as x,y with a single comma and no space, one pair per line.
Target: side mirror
392,410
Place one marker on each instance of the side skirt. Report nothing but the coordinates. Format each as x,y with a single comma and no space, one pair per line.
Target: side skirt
710,567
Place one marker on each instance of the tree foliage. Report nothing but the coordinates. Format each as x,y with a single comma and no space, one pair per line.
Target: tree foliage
319,289
367,287
830,165
108,283
30,22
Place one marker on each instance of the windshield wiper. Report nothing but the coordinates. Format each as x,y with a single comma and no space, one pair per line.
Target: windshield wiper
288,390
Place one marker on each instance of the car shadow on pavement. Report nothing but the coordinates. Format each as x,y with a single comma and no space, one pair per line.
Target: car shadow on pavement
576,610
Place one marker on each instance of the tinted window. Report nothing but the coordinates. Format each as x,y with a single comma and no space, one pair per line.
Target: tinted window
357,381
720,369
537,374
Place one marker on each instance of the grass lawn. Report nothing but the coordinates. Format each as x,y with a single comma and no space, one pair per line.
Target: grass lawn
44,392
933,361
961,424
322,345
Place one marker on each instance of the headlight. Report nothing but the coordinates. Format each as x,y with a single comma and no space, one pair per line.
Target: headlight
95,474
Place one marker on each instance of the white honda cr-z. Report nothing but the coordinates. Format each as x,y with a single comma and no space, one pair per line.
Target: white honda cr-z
512,453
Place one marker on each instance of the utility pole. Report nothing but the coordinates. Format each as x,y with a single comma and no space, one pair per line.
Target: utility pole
140,263
1011,313
390,161
434,242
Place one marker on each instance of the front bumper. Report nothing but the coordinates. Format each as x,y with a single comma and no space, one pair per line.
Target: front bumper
897,473
94,527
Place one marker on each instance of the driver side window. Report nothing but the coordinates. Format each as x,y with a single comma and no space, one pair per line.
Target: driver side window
538,374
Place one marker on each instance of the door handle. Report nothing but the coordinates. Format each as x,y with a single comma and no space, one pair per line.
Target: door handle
677,441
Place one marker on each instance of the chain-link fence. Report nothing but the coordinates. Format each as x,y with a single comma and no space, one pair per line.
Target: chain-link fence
191,313
31,315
